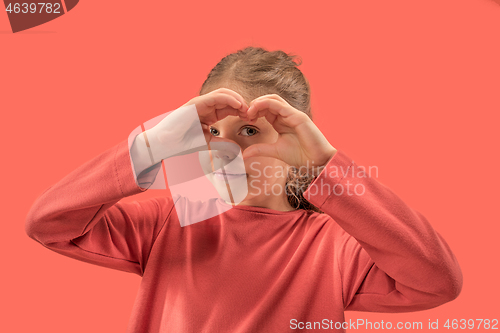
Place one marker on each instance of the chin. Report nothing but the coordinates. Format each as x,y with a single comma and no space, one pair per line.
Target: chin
238,187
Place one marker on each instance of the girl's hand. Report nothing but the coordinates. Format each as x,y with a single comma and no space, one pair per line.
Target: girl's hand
179,131
300,142
217,105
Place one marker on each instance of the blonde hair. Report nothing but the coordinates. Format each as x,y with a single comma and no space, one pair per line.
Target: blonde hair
253,72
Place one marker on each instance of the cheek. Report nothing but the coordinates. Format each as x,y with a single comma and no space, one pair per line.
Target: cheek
206,162
255,166
265,168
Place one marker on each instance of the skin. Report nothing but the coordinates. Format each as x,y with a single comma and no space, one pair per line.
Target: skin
272,136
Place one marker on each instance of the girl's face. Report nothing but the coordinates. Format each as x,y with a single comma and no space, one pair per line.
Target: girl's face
263,177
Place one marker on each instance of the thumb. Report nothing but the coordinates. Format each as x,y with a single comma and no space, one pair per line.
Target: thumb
261,149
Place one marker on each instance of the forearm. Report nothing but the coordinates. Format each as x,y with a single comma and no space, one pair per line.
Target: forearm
400,240
73,205
141,156
171,134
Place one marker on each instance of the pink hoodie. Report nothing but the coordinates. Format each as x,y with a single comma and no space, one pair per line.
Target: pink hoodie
250,269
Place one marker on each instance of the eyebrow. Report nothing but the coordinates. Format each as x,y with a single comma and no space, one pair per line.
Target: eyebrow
239,121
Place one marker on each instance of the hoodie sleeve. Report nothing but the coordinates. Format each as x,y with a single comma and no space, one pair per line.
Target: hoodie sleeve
81,216
389,256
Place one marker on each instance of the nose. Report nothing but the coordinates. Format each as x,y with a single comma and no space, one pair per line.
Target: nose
224,149
225,152
224,155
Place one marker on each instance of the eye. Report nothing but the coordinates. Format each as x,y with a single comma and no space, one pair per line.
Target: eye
249,131
214,132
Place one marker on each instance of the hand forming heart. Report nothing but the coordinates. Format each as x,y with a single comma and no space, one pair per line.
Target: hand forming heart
300,142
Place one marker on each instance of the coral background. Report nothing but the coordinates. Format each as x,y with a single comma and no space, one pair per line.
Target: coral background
411,87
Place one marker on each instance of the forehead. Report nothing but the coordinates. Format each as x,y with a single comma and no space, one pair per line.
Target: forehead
233,121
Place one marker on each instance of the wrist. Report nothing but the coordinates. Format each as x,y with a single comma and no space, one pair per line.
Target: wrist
318,169
331,151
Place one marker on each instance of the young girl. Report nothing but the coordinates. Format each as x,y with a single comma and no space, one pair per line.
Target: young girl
271,261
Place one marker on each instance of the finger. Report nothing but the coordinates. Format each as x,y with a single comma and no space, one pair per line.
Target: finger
279,115
273,106
221,100
272,96
234,94
261,149
227,111
217,115
238,112
270,117
241,112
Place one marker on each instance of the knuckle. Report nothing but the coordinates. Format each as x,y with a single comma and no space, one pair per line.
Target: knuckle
302,117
